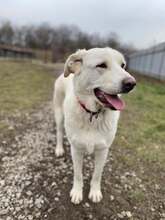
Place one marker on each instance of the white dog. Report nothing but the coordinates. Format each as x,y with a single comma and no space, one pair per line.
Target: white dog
87,97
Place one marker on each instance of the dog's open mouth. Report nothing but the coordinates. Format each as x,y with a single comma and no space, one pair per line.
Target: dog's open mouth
110,101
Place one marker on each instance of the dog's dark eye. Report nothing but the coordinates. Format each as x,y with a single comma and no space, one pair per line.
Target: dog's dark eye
102,65
123,65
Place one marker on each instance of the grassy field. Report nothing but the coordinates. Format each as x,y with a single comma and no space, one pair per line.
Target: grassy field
142,125
138,151
45,56
23,86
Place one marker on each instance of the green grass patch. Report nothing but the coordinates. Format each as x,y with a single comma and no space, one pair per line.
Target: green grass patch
23,85
142,125
137,195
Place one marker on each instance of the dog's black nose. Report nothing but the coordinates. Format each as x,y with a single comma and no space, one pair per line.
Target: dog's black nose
128,84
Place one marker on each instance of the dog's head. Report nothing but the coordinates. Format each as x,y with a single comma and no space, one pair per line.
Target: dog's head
100,73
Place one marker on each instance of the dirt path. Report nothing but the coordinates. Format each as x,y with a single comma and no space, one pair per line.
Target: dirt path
34,184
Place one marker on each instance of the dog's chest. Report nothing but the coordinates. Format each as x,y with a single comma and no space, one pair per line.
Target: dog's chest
91,135
89,140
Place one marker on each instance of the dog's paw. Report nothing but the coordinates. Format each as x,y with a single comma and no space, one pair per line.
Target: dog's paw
59,151
76,195
95,195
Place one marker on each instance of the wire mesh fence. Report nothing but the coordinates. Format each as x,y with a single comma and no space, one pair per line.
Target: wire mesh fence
150,62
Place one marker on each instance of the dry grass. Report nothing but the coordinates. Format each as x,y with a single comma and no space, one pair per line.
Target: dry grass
23,85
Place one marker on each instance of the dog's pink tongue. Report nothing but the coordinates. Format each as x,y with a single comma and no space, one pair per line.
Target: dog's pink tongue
115,101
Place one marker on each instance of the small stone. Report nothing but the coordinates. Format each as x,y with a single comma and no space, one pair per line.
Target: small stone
128,214
17,209
4,159
157,186
29,193
120,215
18,195
10,208
2,182
10,128
112,197
20,201
58,193
54,184
124,214
38,202
3,211
152,209
21,217
87,205
56,199
30,217
163,214
45,184
27,183
38,214
65,180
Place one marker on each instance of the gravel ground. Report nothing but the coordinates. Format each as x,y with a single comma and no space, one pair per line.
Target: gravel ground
34,184
29,170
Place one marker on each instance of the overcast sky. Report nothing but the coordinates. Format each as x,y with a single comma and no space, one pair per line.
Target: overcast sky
140,22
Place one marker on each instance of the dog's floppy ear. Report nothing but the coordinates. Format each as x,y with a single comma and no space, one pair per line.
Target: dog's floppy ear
74,62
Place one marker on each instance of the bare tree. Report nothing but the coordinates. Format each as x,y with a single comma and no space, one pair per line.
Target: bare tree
6,33
44,36
20,36
61,40
112,40
30,37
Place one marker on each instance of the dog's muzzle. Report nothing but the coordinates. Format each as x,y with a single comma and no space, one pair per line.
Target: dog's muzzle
128,84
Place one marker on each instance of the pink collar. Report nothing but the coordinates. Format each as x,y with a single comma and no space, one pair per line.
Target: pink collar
89,111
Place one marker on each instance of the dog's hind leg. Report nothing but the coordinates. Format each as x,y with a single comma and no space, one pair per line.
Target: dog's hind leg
59,151
59,118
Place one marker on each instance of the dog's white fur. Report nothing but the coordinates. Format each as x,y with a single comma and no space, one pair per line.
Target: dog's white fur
83,135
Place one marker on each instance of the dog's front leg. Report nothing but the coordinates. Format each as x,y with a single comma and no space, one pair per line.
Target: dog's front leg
95,193
76,192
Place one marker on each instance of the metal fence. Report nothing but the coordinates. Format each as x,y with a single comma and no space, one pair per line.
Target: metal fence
150,62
